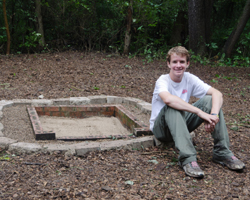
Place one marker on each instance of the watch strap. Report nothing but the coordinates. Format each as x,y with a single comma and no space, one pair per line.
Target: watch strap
215,114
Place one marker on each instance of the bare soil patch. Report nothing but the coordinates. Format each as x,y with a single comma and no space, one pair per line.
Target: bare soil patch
92,126
118,174
17,124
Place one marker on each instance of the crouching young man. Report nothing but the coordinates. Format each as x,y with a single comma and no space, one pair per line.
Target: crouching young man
173,118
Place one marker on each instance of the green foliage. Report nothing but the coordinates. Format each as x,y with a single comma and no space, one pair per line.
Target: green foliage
236,61
214,81
225,17
232,76
100,26
151,23
243,45
5,157
234,128
197,58
128,66
212,48
21,19
96,88
151,53
3,37
31,40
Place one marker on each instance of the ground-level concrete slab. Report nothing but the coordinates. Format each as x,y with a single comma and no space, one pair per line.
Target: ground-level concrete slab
24,147
5,142
81,148
78,149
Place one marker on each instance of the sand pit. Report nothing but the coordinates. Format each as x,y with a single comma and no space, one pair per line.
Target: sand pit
73,127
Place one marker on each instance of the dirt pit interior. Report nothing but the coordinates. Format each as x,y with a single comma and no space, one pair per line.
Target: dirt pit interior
85,122
93,126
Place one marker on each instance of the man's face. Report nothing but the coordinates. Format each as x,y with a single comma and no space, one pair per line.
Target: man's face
178,65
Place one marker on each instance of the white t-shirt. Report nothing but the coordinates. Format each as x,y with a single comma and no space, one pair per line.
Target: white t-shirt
190,85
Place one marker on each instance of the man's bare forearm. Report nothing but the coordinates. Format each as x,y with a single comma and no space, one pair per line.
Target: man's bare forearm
217,100
179,104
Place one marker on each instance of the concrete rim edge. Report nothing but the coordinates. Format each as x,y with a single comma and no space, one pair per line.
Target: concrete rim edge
82,148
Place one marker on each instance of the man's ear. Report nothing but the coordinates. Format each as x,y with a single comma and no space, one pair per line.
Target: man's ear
168,64
188,63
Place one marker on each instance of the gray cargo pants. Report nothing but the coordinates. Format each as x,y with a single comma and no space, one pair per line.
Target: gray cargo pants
172,125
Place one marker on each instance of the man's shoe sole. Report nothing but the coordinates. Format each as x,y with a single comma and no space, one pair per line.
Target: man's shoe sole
195,176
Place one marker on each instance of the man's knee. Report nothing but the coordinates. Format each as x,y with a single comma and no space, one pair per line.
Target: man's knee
207,98
207,102
172,111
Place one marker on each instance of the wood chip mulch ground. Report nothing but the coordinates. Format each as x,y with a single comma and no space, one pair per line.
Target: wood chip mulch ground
120,174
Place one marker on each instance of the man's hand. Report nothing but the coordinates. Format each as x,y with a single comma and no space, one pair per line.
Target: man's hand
178,104
209,120
208,117
209,127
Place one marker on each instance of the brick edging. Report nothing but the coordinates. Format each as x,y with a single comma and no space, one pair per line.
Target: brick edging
14,145
127,119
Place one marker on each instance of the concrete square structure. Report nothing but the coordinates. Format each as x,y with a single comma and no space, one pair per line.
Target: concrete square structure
127,119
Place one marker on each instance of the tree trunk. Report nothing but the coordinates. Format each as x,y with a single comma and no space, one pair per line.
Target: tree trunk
7,27
235,35
179,32
40,22
208,15
199,12
128,30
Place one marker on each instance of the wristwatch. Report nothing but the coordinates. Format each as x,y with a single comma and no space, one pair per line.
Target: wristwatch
215,114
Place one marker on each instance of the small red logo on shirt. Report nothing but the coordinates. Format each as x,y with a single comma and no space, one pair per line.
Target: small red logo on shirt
184,91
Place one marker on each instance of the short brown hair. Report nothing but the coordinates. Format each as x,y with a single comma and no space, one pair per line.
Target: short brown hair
179,50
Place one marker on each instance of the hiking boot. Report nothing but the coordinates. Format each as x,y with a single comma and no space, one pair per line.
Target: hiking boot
192,169
232,162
